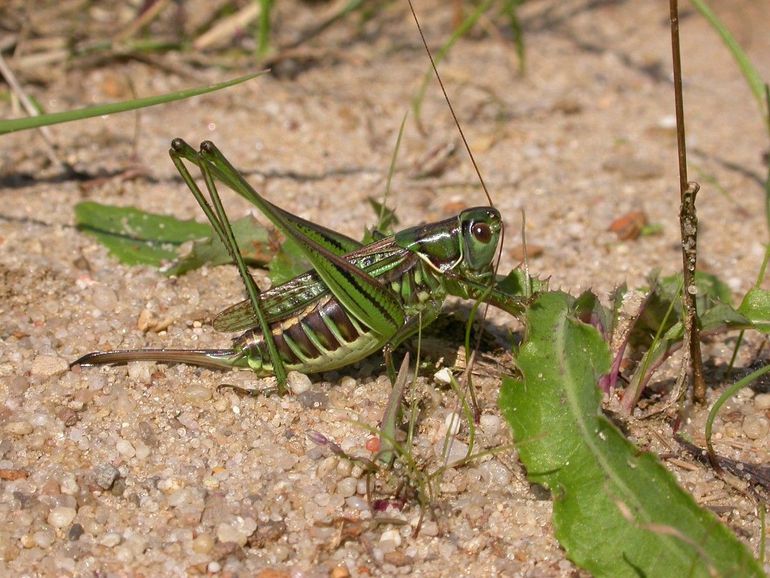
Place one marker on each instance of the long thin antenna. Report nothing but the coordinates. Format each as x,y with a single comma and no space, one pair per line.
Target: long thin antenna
451,108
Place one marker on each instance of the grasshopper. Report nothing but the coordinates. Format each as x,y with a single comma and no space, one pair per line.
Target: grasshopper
357,299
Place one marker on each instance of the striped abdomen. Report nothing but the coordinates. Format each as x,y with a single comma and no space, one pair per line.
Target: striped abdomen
321,338
325,336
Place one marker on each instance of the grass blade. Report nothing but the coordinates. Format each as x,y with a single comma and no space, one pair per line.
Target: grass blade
13,125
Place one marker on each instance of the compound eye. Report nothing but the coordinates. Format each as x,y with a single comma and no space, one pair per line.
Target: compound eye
481,232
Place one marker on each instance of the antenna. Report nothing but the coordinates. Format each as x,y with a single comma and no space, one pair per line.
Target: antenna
451,108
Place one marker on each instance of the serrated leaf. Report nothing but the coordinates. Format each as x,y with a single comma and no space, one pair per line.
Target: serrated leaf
253,240
617,511
135,237
756,307
519,283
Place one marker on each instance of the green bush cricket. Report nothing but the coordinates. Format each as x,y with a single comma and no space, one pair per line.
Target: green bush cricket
357,300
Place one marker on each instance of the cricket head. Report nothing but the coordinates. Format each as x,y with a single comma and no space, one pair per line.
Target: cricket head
465,244
480,229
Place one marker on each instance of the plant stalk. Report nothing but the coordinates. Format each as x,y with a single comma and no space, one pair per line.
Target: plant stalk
688,222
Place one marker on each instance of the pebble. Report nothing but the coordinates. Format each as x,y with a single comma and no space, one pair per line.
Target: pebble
755,427
348,382
43,538
125,448
75,531
298,382
142,451
238,530
339,572
326,467
197,394
61,516
495,473
141,371
346,487
313,399
457,450
429,528
104,298
762,401
18,385
19,428
124,554
111,539
490,424
452,423
392,536
357,503
105,475
48,365
203,543
443,376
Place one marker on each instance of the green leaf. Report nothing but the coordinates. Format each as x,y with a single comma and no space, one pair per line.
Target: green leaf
135,237
287,263
253,240
617,511
756,307
16,124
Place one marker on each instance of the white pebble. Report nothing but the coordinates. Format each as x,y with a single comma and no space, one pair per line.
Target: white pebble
237,531
745,393
490,424
179,498
348,382
104,299
346,487
111,539
357,503
298,382
495,473
203,544
142,451
457,450
141,371
68,484
429,528
43,538
125,448
392,536
61,516
48,365
443,376
326,467
198,394
762,401
452,424
124,554
755,427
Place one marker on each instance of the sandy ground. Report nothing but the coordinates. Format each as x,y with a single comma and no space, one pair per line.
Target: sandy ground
152,470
